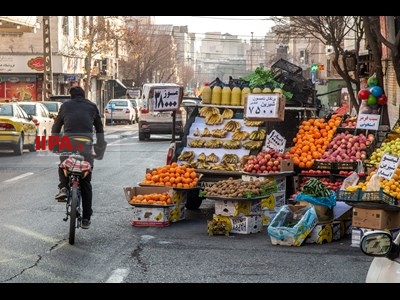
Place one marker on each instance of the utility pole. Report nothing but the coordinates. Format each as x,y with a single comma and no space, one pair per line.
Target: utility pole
48,70
251,51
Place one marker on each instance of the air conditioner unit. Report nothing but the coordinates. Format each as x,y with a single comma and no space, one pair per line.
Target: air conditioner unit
328,49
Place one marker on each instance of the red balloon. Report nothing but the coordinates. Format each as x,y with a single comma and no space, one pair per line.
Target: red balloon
382,100
363,94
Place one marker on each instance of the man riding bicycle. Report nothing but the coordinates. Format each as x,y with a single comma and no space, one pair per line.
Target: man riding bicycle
78,116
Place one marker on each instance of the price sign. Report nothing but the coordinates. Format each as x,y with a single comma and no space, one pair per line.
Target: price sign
275,141
270,106
166,99
368,121
388,166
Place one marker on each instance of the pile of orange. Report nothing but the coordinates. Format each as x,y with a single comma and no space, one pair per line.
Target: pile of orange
312,139
173,175
153,198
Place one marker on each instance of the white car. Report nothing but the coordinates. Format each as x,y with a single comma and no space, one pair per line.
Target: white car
385,267
120,111
41,116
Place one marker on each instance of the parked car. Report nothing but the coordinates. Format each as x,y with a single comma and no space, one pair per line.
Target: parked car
385,267
53,107
137,104
41,116
120,111
61,98
160,107
17,130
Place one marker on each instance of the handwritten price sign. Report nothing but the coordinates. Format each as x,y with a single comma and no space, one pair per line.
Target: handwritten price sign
262,106
368,121
388,166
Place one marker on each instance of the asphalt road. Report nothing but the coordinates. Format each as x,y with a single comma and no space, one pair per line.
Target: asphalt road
34,239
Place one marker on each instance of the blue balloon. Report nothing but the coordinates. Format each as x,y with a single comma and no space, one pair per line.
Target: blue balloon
376,91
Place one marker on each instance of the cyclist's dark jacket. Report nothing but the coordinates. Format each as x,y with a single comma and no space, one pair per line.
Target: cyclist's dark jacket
74,114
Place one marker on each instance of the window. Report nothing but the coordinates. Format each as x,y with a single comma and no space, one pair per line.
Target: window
65,25
77,24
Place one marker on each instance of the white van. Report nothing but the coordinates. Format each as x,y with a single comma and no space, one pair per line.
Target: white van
161,105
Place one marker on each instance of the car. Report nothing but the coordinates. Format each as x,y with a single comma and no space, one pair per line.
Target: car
60,98
53,107
161,103
41,116
189,104
17,130
120,111
137,104
385,267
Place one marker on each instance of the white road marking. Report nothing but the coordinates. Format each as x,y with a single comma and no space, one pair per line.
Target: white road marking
118,276
18,177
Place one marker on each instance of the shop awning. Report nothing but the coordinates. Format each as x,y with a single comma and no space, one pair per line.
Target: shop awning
18,24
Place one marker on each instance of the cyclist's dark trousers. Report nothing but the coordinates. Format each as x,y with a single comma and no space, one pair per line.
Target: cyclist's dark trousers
86,185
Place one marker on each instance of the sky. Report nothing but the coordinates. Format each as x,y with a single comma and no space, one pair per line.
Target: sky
234,25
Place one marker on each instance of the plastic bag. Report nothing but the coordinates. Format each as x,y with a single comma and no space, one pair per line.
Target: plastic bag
293,223
329,201
374,183
350,180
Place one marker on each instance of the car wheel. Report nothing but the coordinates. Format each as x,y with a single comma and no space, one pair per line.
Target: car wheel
141,136
32,147
19,147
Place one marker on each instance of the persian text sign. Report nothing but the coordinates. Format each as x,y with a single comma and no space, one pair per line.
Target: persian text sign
275,141
388,166
368,121
269,107
166,99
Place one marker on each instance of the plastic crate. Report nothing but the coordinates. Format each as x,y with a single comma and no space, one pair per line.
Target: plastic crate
351,196
324,165
346,166
287,66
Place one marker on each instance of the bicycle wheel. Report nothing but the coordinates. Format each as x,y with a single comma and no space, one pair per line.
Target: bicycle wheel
73,213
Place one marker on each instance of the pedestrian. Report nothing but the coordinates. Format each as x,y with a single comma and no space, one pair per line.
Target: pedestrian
79,119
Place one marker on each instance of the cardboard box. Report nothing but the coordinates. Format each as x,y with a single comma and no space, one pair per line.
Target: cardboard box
237,208
177,212
242,224
376,218
324,233
273,201
150,216
267,215
358,232
143,190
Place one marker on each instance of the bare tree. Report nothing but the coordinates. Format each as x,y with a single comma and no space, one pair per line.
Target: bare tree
332,31
150,55
99,38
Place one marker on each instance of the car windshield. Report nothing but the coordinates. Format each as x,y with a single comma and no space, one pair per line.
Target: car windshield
29,109
119,103
52,107
6,110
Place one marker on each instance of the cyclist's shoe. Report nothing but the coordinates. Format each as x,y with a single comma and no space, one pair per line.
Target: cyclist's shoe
62,195
85,224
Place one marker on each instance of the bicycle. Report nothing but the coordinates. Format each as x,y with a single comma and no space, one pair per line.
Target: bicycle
75,168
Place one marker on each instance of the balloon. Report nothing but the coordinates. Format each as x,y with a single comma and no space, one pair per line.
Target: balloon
371,101
376,91
363,94
372,81
382,100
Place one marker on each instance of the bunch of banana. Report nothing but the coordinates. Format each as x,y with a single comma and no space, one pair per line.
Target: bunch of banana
197,143
203,165
197,132
252,145
225,167
231,144
207,111
201,157
258,135
315,188
227,113
214,119
218,133
206,132
240,135
232,126
253,123
214,144
230,158
212,158
191,164
186,156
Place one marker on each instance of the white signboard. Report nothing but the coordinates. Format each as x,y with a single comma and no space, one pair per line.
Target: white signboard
388,166
166,99
275,141
368,121
262,106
